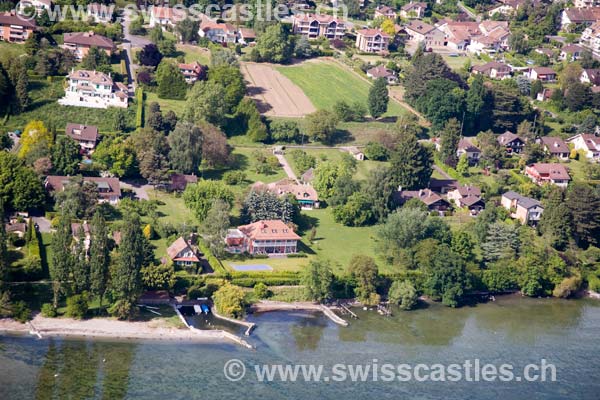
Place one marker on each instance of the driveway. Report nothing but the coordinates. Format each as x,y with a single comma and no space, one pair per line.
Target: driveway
286,167
43,224
130,41
141,191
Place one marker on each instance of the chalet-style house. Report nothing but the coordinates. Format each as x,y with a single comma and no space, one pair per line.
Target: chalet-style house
163,17
421,32
492,69
319,25
246,36
372,40
571,52
15,29
383,11
588,144
38,5
95,90
180,181
85,135
383,72
80,43
543,74
548,173
431,199
591,76
193,71
467,196
109,189
218,32
525,209
511,142
272,237
182,253
413,10
556,147
306,195
579,16
472,152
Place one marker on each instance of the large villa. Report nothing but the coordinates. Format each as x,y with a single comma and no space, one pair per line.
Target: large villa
94,89
271,237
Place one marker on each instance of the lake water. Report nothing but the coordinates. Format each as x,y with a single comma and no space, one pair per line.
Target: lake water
510,330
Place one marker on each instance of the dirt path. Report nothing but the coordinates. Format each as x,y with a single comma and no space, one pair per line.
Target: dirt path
275,94
442,172
286,167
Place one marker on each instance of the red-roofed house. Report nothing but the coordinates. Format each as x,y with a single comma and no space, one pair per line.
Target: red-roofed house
544,74
319,25
109,189
468,196
218,32
263,237
492,69
552,173
85,135
413,10
192,71
182,253
382,72
421,32
383,11
14,28
80,43
372,40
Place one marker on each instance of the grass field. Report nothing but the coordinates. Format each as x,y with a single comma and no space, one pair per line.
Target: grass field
194,53
457,63
165,104
325,83
44,107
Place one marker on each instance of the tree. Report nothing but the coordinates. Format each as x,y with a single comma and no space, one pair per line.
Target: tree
446,276
215,226
185,144
215,150
462,167
78,198
250,120
199,197
518,43
152,154
327,174
378,98
318,279
356,211
449,138
321,126
524,85
229,300
502,242
584,206
303,48
492,153
284,131
149,55
264,205
536,87
424,69
126,276
343,188
116,155
137,26
95,59
232,80
156,34
170,81
375,151
4,263
411,163
205,101
66,156
510,109
444,99
61,263
275,44
380,189
99,256
34,133
478,104
578,96
364,272
20,187
80,272
404,294
188,30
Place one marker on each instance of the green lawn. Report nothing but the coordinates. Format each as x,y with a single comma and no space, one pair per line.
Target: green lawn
457,63
44,107
194,53
9,51
325,83
165,104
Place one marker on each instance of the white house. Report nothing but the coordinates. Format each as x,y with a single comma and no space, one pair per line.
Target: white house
421,32
94,89
588,144
525,209
372,40
39,5
218,32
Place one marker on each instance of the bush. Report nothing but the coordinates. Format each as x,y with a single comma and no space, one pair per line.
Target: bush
77,306
261,291
229,301
567,287
376,151
48,310
594,284
234,177
21,312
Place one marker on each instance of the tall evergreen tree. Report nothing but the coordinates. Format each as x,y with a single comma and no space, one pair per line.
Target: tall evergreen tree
378,98
61,264
81,270
449,137
584,205
412,163
555,223
66,156
3,247
99,256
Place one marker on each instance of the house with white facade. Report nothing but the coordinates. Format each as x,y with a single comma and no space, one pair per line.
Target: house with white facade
319,25
588,144
525,209
94,89
218,32
422,32
372,40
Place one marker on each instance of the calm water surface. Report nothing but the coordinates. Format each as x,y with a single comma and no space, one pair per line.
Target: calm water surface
511,330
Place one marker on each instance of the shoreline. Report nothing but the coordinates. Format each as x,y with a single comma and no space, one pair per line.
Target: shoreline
112,329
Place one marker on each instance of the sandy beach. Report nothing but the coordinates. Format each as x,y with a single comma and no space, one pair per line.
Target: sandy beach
110,328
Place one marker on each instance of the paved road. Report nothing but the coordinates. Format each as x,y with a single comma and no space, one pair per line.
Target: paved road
43,224
286,167
129,42
469,12
141,191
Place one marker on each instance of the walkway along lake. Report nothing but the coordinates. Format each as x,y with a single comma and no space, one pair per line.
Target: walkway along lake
511,330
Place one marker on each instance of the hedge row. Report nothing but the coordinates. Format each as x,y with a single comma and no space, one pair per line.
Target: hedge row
213,261
139,115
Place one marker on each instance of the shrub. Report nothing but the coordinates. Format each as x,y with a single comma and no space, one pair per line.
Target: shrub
594,284
21,312
261,291
48,310
567,287
234,177
77,306
404,294
229,301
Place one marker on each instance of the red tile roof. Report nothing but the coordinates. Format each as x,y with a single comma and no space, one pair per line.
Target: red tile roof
273,229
